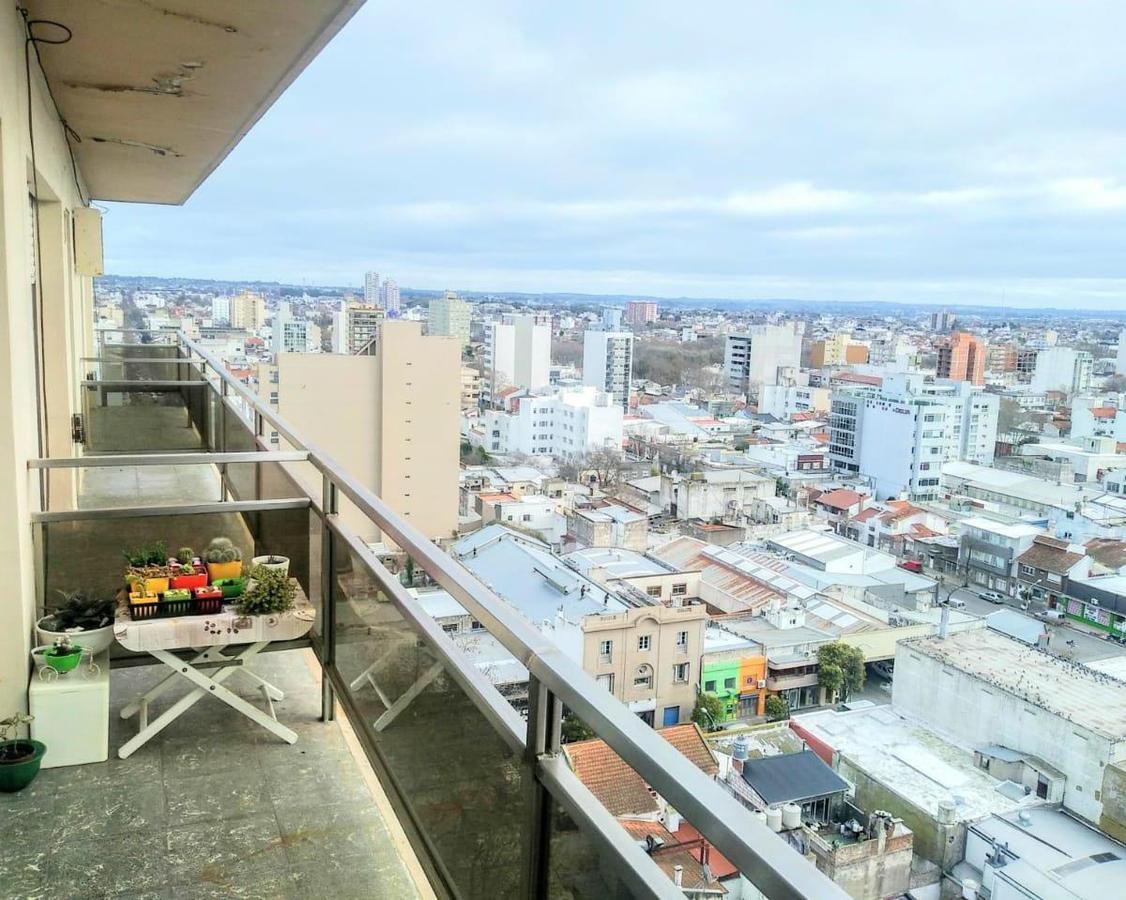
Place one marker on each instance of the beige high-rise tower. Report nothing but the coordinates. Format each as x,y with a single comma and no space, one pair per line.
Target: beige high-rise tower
392,420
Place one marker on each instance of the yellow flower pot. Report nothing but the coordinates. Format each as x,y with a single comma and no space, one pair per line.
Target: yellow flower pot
156,585
215,571
142,598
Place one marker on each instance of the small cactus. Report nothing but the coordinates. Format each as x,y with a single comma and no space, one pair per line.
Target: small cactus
185,555
222,550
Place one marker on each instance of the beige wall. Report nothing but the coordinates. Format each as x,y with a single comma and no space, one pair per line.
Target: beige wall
66,330
391,420
661,624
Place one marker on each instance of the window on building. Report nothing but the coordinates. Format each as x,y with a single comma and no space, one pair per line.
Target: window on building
607,681
474,625
654,590
643,678
709,686
729,684
682,640
644,642
680,673
606,651
450,628
679,589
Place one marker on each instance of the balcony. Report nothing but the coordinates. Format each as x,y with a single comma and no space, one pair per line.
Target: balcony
412,774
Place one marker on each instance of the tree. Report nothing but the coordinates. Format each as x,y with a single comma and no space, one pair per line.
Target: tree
607,466
1009,415
840,669
708,711
574,729
777,708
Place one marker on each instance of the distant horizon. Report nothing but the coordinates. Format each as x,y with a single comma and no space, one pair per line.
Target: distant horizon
582,296
953,154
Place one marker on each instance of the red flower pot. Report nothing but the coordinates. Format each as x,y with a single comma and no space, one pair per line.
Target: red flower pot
188,579
208,600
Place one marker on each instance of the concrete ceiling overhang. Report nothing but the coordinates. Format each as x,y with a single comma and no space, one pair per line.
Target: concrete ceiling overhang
160,91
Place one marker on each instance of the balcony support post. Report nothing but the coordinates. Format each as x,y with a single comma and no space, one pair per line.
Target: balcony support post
544,723
329,503
220,441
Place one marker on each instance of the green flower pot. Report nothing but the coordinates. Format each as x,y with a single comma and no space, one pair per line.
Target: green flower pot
66,662
231,587
15,776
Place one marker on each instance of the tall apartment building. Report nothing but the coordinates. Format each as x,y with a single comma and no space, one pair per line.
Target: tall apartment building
756,357
612,318
389,295
517,353
1063,369
608,362
961,357
396,427
449,317
221,310
560,425
371,288
641,312
355,326
943,320
293,335
837,350
899,435
248,311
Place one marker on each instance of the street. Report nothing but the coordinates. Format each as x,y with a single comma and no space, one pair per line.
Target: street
1065,640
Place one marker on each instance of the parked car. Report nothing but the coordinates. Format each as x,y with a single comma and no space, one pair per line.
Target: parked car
992,597
885,668
955,602
911,565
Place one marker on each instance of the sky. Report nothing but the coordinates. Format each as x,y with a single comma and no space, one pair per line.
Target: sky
886,150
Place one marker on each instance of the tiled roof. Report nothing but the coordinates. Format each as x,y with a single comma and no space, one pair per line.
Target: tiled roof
865,514
842,498
1103,412
1107,552
1049,554
618,787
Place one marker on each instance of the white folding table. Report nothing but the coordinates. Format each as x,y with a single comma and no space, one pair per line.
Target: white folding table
208,636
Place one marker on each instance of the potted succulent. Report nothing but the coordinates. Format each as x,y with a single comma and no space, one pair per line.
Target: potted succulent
19,759
231,587
269,591
174,595
150,561
208,599
223,558
271,561
188,576
83,617
62,655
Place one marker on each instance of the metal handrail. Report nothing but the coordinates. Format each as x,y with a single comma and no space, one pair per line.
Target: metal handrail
766,860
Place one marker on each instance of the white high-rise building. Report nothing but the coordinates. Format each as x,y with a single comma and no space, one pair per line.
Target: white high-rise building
517,352
561,424
1120,358
292,335
899,435
1062,369
389,293
608,362
449,317
757,357
221,310
371,288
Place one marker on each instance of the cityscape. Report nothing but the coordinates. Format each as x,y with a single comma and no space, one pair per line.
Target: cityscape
565,453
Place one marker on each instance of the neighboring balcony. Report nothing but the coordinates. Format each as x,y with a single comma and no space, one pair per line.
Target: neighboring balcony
430,782
786,682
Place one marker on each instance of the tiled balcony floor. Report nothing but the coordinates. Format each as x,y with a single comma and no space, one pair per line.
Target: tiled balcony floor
212,807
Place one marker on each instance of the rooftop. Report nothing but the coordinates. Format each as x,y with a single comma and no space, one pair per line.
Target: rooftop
617,562
618,787
792,778
916,763
1084,697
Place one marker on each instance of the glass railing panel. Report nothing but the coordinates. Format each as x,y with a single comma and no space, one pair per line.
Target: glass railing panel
461,784
114,367
128,419
579,866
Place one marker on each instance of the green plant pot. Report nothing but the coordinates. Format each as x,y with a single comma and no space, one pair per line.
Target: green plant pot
231,587
15,776
66,663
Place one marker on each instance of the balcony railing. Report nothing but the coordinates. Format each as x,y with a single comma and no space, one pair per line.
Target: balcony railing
485,796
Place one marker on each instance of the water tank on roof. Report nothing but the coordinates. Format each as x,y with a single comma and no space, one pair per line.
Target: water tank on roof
774,819
969,889
791,816
760,815
741,746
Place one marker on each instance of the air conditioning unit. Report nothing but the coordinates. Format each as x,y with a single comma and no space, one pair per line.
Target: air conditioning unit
761,683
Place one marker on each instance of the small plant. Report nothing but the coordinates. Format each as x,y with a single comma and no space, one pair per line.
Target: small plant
155,554
222,550
12,749
271,591
186,555
62,647
80,612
